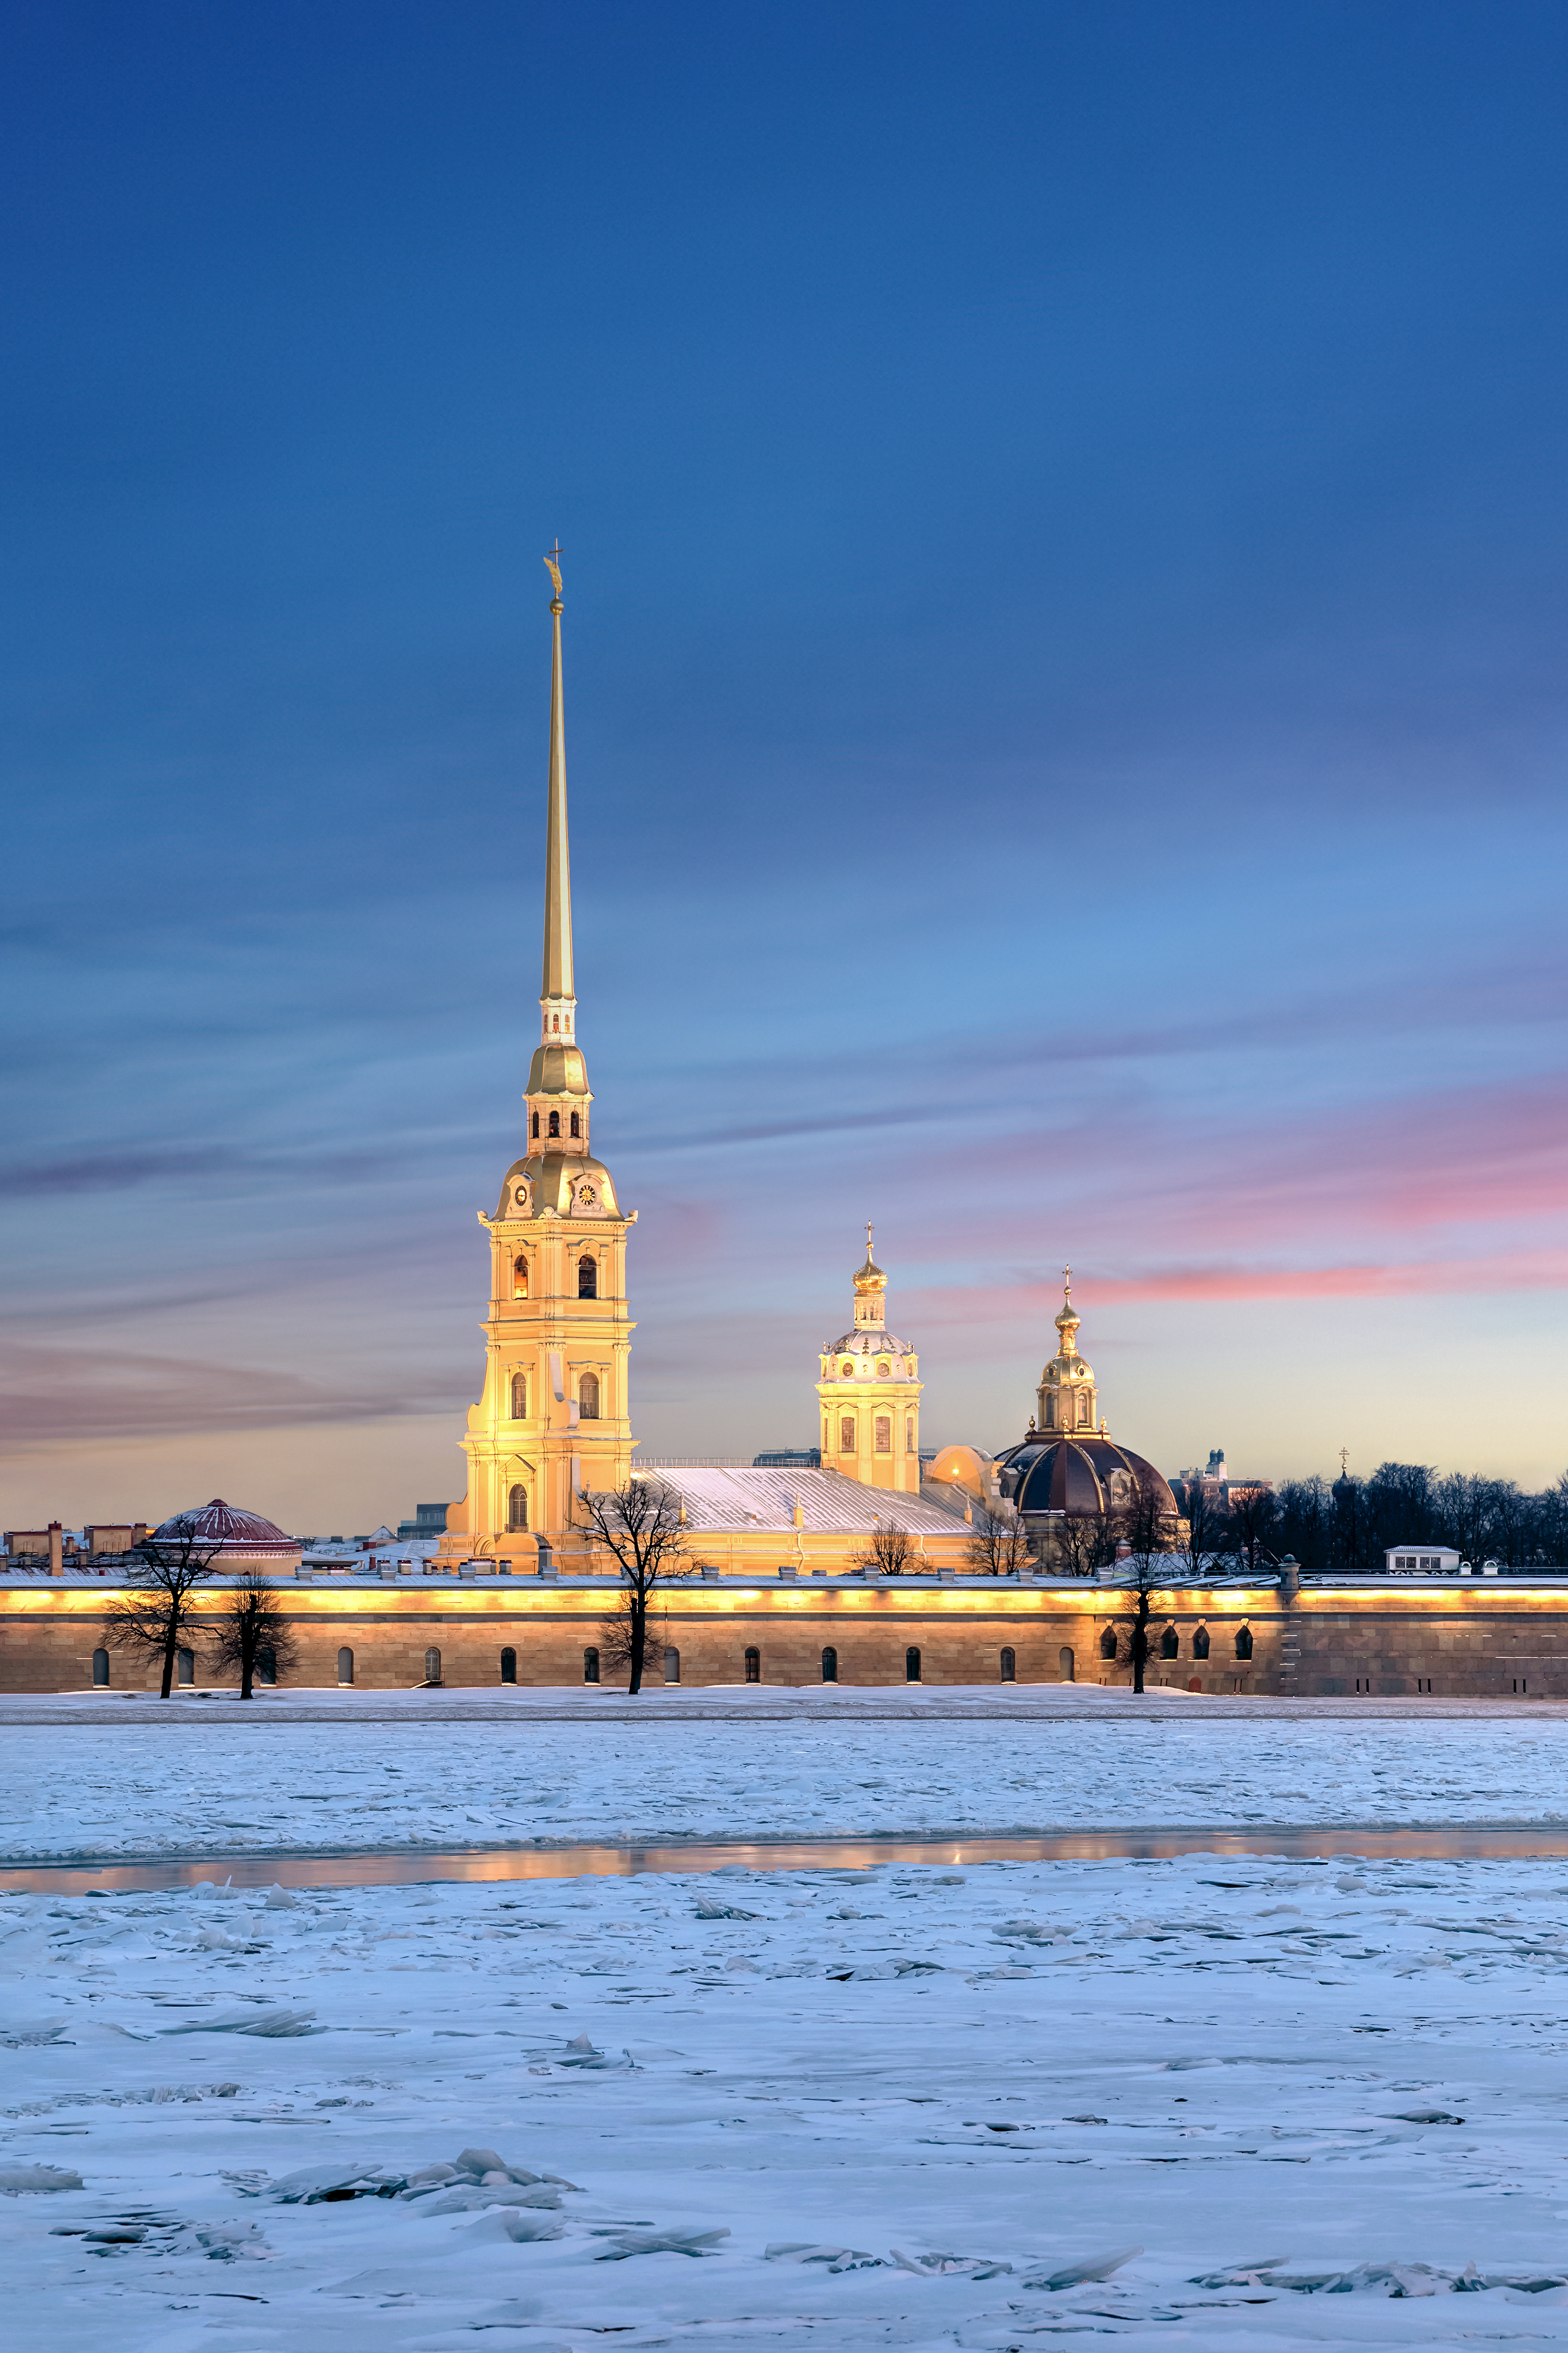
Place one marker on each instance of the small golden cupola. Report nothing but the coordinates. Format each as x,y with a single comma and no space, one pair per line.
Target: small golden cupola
1067,1397
870,1394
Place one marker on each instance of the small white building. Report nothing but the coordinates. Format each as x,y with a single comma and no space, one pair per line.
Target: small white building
1421,1560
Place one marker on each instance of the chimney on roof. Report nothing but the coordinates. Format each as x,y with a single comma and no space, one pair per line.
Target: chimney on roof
57,1550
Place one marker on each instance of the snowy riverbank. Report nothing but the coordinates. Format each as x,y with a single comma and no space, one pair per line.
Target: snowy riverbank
170,1780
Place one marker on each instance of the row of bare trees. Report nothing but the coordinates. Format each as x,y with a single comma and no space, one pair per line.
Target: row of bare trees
160,1610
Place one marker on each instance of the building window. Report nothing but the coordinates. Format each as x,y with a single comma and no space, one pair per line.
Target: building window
555,1123
519,1396
1243,1641
1170,1648
884,1433
1051,1413
588,1396
753,1666
188,1665
671,1665
1201,1642
830,1666
590,1665
577,1125
1064,1664
883,1371
346,1665
1108,1643
267,1665
432,1666
509,1665
587,1277
911,1665
100,1666
1083,1410
519,1278
846,1434
1009,1666
909,1433
536,1126
517,1509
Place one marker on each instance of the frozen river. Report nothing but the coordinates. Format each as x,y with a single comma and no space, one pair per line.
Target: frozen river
1208,2100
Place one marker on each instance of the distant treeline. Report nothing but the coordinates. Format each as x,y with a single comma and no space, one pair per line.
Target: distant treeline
1347,1527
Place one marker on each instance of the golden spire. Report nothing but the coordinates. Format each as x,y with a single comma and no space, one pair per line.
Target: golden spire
558,1000
1067,1320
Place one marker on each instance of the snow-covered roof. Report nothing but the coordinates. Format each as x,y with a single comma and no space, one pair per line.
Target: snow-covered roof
831,1503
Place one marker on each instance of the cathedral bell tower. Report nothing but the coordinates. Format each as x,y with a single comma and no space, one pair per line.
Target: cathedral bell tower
870,1394
554,1417
1066,1397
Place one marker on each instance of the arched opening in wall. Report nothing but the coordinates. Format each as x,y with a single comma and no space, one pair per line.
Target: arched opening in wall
1051,1413
1064,1664
536,1127
587,1277
1200,1641
588,1396
555,1123
517,1508
519,1396
753,1666
1083,1410
830,1666
100,1666
432,1666
1243,1641
577,1125
911,1665
519,1278
847,1433
590,1665
884,1433
186,1663
266,1665
1170,1644
346,1665
1108,1643
909,1433
1009,1665
671,1665
509,1665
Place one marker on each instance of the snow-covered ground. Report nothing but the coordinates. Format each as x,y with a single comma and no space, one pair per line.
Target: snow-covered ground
181,1778
1244,2104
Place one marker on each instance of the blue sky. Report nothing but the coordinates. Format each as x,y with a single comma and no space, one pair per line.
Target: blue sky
1064,514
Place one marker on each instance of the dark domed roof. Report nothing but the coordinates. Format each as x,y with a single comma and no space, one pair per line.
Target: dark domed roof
1081,1475
218,1523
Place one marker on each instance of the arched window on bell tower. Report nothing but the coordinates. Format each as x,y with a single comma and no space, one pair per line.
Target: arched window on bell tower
587,1276
517,1509
536,1127
577,1125
555,1123
519,1396
519,1278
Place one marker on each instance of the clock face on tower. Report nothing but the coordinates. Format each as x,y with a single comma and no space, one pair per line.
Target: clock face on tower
522,1199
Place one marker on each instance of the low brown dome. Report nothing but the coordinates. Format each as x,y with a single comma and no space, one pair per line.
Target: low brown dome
218,1523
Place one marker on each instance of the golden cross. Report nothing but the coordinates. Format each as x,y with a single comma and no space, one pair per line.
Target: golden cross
552,561
868,1237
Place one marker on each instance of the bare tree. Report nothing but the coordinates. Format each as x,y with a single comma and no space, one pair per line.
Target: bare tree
1000,1544
1253,1513
1085,1541
887,1548
155,1611
1149,1532
1203,1527
252,1628
641,1527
